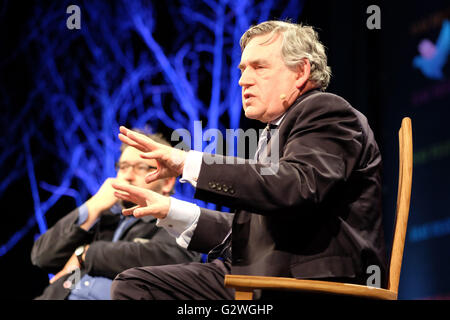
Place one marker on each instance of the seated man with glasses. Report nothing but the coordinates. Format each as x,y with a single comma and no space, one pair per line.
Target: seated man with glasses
140,168
88,247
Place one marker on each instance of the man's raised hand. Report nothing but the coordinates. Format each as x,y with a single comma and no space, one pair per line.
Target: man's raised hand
148,202
170,160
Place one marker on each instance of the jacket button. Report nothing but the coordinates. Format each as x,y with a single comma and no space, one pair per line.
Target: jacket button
231,190
212,185
219,187
225,188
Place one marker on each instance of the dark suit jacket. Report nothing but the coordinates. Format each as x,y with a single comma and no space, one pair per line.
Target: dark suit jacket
142,243
319,216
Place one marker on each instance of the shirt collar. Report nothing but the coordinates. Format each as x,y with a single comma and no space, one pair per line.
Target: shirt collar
277,121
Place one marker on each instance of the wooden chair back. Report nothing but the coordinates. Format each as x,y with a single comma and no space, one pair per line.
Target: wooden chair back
403,202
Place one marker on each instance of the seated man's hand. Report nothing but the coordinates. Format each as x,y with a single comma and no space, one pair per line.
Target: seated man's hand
148,202
70,265
170,160
104,198
99,202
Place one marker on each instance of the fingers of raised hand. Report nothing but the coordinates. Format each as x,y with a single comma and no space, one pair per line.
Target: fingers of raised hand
131,193
145,211
129,211
138,211
153,176
122,196
131,143
131,198
139,139
126,188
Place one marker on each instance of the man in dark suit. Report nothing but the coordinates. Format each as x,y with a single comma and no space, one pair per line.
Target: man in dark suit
314,212
92,244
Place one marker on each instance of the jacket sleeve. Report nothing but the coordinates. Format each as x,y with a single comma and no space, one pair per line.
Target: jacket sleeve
212,227
107,259
52,249
322,143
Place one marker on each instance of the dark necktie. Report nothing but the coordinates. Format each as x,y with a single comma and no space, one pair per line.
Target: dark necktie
264,139
223,250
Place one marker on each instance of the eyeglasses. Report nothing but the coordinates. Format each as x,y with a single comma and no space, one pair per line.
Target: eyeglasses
139,168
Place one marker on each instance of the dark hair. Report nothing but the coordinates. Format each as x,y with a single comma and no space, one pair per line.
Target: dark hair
158,137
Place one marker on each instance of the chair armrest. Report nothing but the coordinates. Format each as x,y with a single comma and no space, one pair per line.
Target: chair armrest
244,285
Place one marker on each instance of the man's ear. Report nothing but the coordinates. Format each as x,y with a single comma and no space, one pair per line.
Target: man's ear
168,185
303,72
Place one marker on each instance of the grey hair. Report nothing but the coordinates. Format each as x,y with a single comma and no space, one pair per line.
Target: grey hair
299,42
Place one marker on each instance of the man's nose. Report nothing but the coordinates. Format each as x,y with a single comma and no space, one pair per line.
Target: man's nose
129,174
246,78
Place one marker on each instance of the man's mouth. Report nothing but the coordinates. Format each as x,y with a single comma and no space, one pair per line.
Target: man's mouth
248,95
248,98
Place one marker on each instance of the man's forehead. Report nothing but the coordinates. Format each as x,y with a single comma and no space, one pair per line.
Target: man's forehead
261,46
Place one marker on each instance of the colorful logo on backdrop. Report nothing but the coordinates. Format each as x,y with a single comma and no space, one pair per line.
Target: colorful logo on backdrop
434,56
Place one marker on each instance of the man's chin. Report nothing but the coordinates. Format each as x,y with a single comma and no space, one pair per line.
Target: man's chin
250,113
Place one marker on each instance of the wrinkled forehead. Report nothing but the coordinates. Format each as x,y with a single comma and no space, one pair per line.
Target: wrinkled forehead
263,45
266,38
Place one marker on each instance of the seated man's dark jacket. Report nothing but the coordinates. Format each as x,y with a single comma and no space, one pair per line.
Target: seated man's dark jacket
142,243
319,216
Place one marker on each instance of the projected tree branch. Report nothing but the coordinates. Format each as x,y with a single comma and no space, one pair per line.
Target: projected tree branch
125,66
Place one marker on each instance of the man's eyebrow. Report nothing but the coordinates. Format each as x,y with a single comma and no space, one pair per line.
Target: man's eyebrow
253,62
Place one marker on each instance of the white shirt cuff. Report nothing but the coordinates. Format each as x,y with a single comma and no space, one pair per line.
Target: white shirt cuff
192,166
181,221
